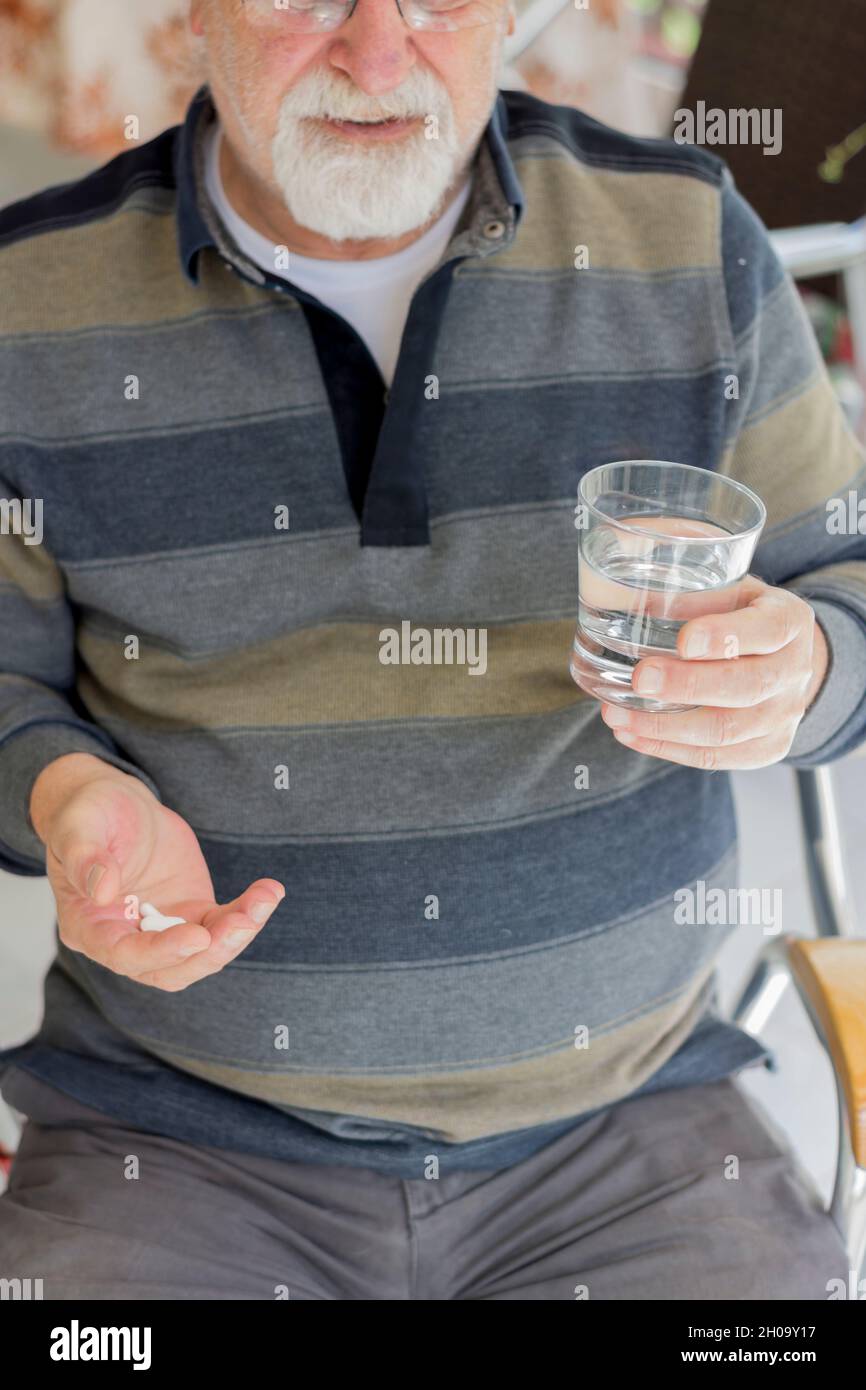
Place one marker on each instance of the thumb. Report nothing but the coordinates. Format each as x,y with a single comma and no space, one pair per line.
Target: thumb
102,832
90,868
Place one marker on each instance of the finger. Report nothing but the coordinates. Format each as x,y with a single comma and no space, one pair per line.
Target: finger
770,622
255,906
735,684
213,934
678,604
705,726
232,927
752,753
118,943
691,604
88,866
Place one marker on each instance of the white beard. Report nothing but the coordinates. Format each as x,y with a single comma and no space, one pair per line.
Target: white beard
342,190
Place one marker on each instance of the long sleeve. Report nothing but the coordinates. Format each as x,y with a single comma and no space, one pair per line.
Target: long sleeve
40,716
789,440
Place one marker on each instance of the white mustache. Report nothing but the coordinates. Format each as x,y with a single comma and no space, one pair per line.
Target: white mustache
323,98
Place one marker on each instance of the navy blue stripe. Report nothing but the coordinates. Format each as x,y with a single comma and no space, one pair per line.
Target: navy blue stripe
193,489
212,487
752,269
603,147
97,195
592,422
779,555
501,890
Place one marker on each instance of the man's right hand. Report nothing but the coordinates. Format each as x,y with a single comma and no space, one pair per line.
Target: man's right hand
107,838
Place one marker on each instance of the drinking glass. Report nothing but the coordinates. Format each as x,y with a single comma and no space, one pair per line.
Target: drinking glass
660,543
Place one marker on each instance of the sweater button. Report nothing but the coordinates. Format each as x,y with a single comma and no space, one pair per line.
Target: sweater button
494,229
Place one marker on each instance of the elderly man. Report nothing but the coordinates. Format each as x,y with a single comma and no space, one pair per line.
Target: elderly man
328,359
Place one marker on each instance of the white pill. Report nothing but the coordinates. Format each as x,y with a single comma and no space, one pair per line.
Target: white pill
153,920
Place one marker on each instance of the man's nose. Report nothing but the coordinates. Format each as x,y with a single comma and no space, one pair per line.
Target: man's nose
375,47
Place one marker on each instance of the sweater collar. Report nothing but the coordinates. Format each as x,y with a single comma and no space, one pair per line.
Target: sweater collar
489,221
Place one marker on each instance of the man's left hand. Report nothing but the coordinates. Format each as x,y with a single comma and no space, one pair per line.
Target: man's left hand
753,673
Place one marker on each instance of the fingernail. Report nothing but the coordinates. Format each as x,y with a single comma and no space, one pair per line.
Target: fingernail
191,950
93,878
260,912
649,681
615,717
698,645
238,938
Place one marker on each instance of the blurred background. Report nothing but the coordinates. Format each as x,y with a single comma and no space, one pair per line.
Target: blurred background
71,71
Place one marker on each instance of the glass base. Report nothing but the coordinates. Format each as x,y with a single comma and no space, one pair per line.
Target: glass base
607,676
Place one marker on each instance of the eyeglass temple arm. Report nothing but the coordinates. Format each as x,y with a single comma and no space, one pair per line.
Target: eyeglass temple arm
531,20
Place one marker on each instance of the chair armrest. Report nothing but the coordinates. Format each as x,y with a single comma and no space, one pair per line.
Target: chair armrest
831,976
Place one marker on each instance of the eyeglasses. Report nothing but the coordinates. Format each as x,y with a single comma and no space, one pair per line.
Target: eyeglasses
322,16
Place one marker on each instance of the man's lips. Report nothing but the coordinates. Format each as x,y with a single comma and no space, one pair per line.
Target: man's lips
389,129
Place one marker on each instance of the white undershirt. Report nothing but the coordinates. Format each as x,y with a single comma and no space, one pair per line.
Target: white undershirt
373,295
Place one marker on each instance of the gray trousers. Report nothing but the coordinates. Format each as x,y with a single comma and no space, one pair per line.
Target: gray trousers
638,1203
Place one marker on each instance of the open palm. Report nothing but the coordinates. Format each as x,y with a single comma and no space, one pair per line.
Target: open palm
122,843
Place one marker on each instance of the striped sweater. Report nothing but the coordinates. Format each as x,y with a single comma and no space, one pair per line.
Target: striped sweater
477,949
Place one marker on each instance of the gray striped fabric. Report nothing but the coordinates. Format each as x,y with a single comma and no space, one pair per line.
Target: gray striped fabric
259,647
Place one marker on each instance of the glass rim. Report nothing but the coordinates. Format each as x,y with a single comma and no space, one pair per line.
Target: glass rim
667,535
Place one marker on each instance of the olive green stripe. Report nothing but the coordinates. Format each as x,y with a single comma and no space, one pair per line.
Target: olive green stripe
628,221
798,456
479,1101
330,674
40,294
29,570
